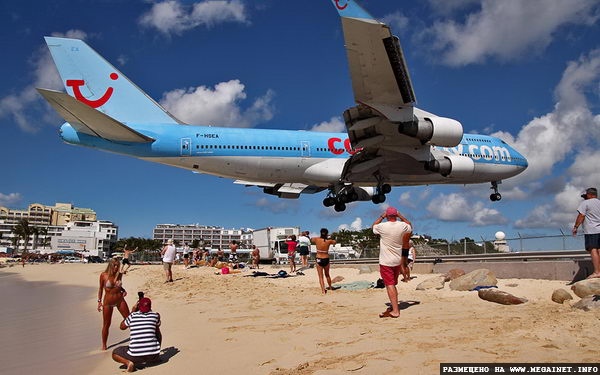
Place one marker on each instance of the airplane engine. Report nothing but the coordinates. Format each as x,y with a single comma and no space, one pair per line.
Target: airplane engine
452,166
437,131
365,193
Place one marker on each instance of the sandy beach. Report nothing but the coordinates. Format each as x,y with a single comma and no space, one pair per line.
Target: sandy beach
255,325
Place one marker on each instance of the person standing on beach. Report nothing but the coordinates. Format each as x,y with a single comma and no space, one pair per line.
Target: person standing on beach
255,256
393,254
168,257
291,247
126,254
145,337
233,258
186,256
322,243
589,215
114,296
304,244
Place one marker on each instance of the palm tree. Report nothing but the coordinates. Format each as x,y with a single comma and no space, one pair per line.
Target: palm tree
23,231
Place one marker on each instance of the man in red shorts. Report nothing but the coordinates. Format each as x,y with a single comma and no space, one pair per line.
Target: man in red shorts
393,253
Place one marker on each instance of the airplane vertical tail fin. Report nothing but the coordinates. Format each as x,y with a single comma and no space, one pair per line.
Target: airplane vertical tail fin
92,80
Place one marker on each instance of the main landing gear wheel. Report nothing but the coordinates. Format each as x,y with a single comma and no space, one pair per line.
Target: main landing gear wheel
329,201
378,198
339,207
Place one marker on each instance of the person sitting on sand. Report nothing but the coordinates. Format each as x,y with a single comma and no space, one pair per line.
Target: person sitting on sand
322,243
114,296
145,337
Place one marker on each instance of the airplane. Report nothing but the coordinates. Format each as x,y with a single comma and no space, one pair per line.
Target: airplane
388,140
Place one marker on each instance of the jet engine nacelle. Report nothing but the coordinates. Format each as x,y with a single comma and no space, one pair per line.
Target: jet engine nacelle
436,131
452,166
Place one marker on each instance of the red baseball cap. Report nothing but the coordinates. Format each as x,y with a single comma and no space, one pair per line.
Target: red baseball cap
391,211
144,305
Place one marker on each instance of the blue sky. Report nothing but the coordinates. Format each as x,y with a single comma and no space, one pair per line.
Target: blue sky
527,71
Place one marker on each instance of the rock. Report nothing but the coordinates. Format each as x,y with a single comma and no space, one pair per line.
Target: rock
433,283
480,277
588,303
337,279
587,287
498,296
561,295
453,274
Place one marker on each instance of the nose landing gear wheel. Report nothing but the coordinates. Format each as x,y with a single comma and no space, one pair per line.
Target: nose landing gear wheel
495,197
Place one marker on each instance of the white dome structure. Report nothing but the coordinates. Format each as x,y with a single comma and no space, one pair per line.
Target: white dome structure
500,243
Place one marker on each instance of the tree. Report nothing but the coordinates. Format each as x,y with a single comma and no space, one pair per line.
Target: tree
23,231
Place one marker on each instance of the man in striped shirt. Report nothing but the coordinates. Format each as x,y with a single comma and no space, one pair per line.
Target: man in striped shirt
144,336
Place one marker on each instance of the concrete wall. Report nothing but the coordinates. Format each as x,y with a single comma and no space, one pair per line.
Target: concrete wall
567,270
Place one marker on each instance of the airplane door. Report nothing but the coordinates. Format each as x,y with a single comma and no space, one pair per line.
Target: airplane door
305,149
186,146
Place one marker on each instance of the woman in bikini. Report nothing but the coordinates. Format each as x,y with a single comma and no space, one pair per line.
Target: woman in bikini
114,296
322,243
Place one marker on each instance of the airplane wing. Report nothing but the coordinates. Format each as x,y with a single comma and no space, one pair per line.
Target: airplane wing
287,190
377,65
390,135
90,121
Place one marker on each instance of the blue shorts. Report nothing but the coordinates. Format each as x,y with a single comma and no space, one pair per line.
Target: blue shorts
592,241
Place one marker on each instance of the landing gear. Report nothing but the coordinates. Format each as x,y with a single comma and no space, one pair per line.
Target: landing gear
343,193
380,192
495,196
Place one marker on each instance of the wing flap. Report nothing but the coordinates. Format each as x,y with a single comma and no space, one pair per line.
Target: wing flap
377,65
91,121
291,190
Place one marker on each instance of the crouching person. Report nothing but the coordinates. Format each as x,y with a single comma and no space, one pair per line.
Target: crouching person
144,337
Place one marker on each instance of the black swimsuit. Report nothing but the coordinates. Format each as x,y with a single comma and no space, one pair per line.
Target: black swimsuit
322,261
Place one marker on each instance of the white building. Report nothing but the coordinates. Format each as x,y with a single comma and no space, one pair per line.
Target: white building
88,237
212,236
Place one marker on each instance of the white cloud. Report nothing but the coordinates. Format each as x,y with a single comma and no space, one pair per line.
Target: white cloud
8,200
569,134
456,207
335,125
356,225
25,107
174,17
219,106
397,21
548,140
275,206
506,30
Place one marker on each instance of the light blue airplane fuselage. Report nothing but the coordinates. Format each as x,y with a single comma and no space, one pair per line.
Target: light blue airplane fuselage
207,148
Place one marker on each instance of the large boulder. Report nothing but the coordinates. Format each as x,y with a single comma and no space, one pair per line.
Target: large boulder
498,296
453,274
588,303
432,283
587,287
561,295
480,277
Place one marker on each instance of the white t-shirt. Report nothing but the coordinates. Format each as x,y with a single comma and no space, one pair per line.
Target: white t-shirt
390,243
169,256
590,208
303,241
